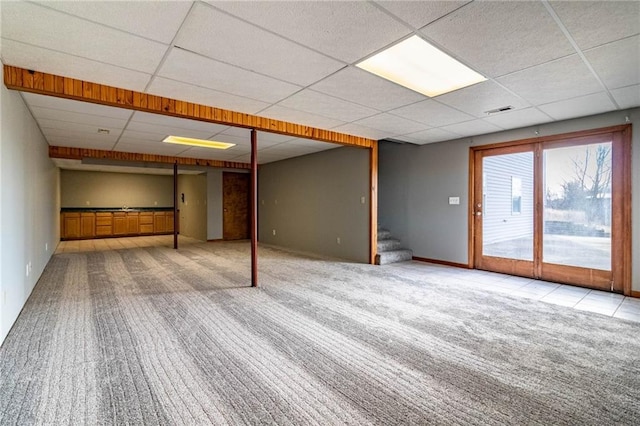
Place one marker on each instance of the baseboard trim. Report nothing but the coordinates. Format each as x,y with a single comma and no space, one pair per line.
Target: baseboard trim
635,293
215,240
441,262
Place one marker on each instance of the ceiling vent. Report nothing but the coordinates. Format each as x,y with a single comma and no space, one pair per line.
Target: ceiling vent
103,131
497,110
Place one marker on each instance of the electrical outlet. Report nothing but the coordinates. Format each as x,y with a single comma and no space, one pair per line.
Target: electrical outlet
155,203
338,241
362,200
27,269
88,203
262,202
274,232
46,246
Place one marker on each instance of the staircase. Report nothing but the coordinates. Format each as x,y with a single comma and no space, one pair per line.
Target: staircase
390,249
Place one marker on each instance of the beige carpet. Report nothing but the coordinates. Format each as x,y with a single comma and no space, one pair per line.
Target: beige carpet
155,336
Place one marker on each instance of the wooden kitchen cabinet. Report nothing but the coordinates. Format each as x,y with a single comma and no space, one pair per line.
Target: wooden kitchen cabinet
133,223
159,222
87,225
146,222
104,224
100,224
169,222
119,223
71,223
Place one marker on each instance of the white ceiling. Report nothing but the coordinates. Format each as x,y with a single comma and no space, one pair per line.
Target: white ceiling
294,61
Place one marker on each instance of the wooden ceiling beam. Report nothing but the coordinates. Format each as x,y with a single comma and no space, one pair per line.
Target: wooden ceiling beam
21,79
80,153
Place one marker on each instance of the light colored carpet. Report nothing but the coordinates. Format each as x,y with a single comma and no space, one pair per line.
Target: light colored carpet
155,336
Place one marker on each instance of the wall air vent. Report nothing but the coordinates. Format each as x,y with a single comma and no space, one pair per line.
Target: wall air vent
103,131
497,110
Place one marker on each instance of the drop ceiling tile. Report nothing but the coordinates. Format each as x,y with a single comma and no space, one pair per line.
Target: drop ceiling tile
210,154
482,97
145,19
157,148
518,118
362,131
327,106
50,102
51,133
497,38
428,136
361,87
431,113
295,64
392,124
627,97
82,143
420,13
88,129
272,137
96,121
37,58
562,79
200,71
617,63
201,95
242,136
579,107
592,23
162,131
131,137
472,128
300,117
61,32
240,141
344,30
179,123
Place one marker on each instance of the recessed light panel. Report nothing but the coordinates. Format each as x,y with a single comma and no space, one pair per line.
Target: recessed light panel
202,143
419,66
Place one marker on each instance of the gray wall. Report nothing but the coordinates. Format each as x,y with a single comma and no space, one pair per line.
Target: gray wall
105,189
29,218
416,181
214,205
312,200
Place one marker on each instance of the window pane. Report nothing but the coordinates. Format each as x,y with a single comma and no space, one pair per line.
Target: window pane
577,206
507,224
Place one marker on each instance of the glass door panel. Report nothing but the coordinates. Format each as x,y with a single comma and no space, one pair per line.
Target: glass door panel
577,206
507,199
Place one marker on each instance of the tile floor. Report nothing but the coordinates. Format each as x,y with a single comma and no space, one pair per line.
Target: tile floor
584,299
600,302
121,243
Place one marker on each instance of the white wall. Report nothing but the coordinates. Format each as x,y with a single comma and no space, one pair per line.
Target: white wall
29,197
214,205
416,181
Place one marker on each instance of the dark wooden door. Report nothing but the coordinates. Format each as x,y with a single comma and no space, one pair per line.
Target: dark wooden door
235,204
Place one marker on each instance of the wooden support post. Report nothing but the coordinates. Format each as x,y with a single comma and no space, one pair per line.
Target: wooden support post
175,205
254,208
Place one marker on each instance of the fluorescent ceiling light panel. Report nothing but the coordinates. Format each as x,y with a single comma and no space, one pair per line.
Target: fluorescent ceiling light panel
417,65
202,143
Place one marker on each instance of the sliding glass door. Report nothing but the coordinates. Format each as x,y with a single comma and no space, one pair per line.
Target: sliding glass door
553,210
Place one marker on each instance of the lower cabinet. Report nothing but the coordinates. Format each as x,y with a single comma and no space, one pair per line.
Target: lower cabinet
87,225
104,224
78,225
71,223
119,223
146,223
